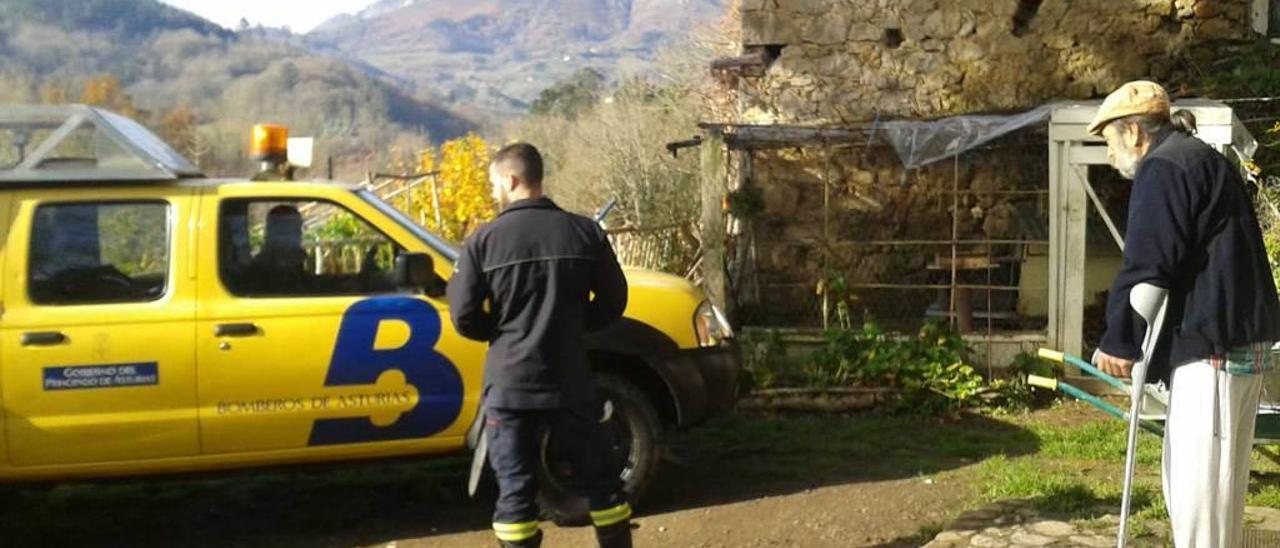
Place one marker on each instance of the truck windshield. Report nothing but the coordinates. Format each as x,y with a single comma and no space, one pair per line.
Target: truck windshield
437,243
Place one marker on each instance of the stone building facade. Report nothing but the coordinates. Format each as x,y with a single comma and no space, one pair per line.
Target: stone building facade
840,63
844,61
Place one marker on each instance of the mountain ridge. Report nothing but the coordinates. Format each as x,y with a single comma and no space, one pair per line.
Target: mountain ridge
499,54
163,60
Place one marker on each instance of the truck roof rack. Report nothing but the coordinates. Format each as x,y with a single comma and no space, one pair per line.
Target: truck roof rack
81,143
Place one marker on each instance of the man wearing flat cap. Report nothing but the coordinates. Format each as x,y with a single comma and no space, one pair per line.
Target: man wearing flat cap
1192,231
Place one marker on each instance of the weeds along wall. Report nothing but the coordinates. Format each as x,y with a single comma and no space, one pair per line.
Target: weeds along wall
839,228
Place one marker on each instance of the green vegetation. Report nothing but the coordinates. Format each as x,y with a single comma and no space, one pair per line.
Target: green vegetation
567,98
929,370
1072,473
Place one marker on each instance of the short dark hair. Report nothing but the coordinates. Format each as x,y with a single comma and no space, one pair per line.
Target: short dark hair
522,160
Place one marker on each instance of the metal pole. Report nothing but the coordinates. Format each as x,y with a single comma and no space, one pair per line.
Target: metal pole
955,236
1149,302
826,242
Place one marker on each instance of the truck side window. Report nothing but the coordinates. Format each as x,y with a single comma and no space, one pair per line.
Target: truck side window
291,248
87,253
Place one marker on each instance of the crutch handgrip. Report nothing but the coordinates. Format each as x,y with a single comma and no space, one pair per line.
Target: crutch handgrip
1052,355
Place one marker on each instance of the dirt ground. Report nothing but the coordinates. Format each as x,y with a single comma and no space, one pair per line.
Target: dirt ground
811,482
741,481
875,513
745,481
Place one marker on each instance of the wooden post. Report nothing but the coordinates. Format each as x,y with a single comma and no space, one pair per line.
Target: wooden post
1068,209
714,277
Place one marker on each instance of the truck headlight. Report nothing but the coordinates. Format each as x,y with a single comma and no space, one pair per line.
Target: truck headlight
711,326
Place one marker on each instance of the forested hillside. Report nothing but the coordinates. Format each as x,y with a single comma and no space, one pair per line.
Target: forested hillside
202,86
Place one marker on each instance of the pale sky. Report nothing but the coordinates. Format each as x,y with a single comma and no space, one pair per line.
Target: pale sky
299,15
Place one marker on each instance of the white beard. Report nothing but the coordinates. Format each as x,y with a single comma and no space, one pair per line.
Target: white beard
1127,165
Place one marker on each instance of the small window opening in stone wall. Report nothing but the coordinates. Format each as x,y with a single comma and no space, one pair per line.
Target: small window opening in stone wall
1026,12
754,61
893,38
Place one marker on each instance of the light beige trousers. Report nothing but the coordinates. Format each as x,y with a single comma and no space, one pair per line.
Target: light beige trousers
1208,441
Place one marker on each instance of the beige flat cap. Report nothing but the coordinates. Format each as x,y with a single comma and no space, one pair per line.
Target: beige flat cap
1137,97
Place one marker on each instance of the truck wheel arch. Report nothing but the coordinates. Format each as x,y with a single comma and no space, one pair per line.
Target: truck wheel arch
634,351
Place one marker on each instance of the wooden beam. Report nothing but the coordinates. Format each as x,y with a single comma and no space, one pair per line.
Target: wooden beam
674,148
765,137
714,276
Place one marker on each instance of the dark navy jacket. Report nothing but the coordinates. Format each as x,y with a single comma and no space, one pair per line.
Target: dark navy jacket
524,283
1192,230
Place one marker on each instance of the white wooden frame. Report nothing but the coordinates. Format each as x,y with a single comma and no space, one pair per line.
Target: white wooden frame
1260,16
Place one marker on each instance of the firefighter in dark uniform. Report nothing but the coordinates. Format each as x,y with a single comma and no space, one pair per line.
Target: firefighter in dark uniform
532,283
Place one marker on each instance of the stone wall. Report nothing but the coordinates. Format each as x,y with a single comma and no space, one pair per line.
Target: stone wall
822,206
841,62
847,60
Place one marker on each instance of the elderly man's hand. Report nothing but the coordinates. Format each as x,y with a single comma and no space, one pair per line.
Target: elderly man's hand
1111,365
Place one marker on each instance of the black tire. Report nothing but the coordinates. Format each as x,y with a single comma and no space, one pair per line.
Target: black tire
634,429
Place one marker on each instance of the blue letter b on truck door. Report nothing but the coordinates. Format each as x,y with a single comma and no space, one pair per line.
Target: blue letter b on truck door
357,361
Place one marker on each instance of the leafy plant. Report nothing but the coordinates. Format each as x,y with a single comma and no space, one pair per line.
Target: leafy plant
340,226
1014,394
929,370
762,358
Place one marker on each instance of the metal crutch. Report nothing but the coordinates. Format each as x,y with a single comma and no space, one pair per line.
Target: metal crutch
1149,302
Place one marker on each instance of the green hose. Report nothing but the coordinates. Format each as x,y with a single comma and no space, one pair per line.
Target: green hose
1054,384
1060,357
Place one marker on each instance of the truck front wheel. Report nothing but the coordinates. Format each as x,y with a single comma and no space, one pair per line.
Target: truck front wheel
633,431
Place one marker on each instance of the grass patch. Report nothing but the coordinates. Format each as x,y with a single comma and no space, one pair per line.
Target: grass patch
1100,441
1059,487
785,448
1264,491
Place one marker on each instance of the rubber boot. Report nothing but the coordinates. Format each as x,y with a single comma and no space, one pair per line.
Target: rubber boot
617,535
534,541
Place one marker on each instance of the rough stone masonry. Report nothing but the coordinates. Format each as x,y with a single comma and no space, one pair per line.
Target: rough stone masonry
843,62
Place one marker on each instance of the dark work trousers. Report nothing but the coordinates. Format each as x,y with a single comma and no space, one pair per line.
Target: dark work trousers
515,440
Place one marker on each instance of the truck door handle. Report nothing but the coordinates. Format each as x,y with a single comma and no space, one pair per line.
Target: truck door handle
235,330
43,338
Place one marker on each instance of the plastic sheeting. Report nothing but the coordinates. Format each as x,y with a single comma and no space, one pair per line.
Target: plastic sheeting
919,144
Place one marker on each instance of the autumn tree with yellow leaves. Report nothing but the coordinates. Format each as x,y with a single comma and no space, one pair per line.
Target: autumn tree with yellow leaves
454,198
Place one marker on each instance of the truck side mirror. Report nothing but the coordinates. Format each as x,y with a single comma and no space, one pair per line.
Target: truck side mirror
417,271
